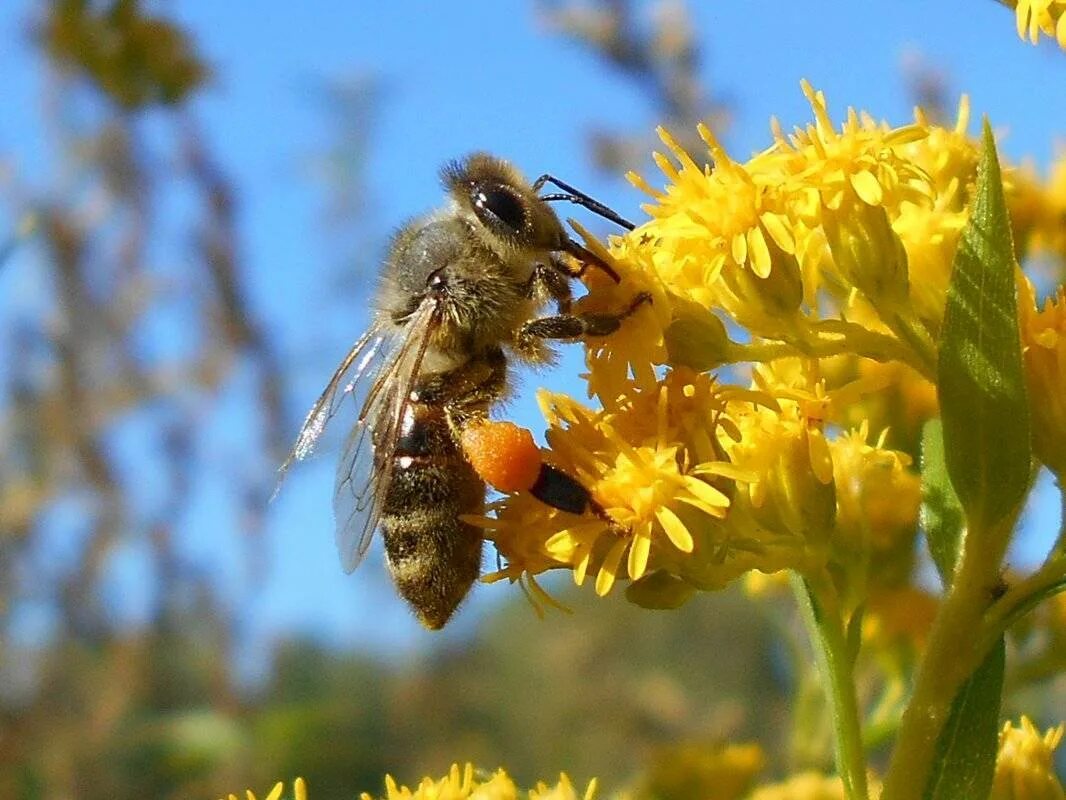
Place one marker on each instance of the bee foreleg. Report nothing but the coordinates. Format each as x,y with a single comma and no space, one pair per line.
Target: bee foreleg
576,326
552,280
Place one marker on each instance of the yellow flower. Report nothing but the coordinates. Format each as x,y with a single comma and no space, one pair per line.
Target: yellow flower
708,771
299,792
650,462
877,495
867,252
706,220
805,786
792,491
1025,763
630,352
823,164
898,617
754,239
1034,17
897,399
475,785
1048,210
1044,348
930,231
656,468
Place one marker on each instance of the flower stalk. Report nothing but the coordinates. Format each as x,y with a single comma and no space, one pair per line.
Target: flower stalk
953,653
820,605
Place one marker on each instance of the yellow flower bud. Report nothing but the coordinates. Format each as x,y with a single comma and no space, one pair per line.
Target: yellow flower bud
697,339
1025,765
867,252
765,305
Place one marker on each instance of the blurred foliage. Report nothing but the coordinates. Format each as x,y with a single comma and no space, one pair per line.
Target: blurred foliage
657,48
134,58
104,416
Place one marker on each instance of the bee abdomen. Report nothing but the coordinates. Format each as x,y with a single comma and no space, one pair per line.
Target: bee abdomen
433,557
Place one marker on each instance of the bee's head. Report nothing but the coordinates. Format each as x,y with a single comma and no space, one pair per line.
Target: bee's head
507,212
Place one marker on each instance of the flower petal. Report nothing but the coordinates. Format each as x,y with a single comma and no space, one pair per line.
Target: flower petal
609,569
675,529
638,553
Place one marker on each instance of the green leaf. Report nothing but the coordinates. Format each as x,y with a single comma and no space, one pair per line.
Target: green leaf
659,590
966,750
942,517
980,380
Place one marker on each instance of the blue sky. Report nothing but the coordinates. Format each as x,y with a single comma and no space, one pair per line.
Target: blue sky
458,77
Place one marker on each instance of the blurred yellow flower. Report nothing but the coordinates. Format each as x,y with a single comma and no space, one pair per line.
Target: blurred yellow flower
1049,227
805,786
761,586
299,792
896,398
708,771
899,617
1044,348
877,494
470,784
1025,768
1034,17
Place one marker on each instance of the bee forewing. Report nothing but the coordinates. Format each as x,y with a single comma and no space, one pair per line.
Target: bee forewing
365,359
365,467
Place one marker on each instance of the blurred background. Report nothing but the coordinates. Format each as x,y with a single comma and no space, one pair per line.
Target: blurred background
194,198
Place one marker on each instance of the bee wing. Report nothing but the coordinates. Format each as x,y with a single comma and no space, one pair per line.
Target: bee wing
364,472
365,360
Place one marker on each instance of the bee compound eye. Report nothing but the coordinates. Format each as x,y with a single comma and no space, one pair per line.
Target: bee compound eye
497,204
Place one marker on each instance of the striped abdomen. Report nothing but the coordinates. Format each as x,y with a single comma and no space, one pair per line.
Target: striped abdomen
432,556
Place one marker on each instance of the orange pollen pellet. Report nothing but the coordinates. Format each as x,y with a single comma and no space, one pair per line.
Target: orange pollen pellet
503,454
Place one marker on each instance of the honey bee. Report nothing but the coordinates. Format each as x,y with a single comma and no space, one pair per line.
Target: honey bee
458,294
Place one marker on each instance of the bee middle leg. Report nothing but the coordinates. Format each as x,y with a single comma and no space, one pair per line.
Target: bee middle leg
575,326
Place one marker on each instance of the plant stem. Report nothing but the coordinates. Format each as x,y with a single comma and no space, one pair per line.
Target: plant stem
1023,596
828,338
953,653
820,604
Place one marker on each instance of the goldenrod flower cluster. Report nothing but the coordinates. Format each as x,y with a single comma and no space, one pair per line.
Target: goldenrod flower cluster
823,263
461,783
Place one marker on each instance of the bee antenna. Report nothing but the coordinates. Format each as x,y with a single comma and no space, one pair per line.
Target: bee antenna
572,195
